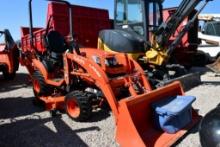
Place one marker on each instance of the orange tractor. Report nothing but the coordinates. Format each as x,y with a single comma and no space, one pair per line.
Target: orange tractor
9,55
79,80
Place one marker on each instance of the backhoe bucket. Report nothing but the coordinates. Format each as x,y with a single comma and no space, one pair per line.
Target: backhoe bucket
215,66
135,126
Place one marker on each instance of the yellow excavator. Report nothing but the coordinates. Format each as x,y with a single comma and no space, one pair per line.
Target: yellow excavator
139,31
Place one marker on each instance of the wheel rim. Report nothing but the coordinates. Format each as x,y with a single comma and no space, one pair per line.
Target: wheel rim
36,85
73,108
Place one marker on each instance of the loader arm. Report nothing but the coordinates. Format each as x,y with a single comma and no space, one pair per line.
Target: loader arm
160,53
166,29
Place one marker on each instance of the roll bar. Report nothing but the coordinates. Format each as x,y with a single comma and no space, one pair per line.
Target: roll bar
31,18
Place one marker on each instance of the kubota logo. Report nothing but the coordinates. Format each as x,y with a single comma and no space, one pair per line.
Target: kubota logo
78,59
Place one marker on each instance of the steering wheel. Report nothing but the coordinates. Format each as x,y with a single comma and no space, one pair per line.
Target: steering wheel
136,27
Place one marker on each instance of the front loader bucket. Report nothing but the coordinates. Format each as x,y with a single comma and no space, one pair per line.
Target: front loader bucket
135,121
215,66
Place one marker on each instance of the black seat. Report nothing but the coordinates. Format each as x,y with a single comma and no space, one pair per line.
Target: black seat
56,46
55,42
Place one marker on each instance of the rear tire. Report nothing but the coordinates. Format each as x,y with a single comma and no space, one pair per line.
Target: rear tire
40,88
78,105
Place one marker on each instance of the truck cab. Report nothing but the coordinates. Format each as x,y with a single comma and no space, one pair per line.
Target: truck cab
140,16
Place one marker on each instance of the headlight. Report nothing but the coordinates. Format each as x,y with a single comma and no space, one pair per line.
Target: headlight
111,61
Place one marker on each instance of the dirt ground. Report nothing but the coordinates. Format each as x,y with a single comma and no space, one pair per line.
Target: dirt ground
23,124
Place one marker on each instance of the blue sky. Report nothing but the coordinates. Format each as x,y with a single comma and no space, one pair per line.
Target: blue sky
14,13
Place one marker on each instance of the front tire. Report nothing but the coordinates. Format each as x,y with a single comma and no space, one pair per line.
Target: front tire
78,105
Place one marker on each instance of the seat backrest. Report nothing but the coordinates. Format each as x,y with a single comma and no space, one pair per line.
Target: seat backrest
55,42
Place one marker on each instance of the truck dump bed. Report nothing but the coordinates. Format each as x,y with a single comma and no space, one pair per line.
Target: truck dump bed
87,22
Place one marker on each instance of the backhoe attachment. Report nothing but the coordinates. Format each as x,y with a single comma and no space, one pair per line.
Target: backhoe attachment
159,53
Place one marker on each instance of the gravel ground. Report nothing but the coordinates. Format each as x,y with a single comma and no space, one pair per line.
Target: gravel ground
23,124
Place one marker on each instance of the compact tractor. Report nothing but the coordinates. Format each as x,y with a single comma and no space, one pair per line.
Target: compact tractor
79,80
9,55
139,30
